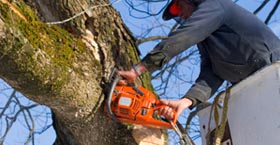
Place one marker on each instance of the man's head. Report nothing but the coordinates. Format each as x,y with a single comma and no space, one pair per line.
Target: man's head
178,8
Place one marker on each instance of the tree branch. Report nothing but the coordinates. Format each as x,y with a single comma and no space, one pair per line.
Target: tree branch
261,6
8,103
152,38
81,13
272,12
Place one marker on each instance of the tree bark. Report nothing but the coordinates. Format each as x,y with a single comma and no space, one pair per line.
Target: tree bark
64,66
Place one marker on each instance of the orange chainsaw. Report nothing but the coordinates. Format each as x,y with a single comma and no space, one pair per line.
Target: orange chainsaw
134,105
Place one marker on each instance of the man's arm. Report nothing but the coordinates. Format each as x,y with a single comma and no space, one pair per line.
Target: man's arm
207,18
207,82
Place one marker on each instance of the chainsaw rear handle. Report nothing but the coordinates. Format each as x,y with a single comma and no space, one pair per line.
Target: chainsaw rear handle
159,106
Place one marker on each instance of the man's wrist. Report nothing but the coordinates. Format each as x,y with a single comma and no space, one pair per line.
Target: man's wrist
139,68
187,101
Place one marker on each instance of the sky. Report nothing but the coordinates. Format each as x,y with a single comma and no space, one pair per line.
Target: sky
18,133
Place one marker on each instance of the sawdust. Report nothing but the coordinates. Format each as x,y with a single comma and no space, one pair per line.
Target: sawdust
147,136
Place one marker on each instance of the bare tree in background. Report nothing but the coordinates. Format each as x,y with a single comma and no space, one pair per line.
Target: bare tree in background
33,118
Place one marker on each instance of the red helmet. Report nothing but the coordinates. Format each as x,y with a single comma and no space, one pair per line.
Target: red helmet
172,10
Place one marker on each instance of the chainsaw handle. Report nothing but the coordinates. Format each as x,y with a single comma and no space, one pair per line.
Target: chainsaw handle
159,106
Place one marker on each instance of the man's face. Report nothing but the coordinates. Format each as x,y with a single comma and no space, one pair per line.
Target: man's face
186,8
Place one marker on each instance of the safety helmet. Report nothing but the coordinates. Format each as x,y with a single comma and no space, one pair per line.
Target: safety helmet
172,10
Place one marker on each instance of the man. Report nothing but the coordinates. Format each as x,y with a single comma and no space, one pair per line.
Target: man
233,44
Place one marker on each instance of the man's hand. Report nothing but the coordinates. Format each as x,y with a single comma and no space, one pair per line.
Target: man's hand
179,106
129,76
132,74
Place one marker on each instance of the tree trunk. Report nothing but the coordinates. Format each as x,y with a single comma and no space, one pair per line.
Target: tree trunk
64,66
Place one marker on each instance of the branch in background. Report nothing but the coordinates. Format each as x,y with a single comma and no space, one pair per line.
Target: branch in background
261,6
152,38
8,123
144,7
8,103
179,59
12,116
272,12
24,109
169,71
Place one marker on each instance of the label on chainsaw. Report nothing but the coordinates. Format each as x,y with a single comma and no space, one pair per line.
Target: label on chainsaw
125,101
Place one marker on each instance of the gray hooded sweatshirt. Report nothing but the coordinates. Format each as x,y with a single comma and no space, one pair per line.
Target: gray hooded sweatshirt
233,43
